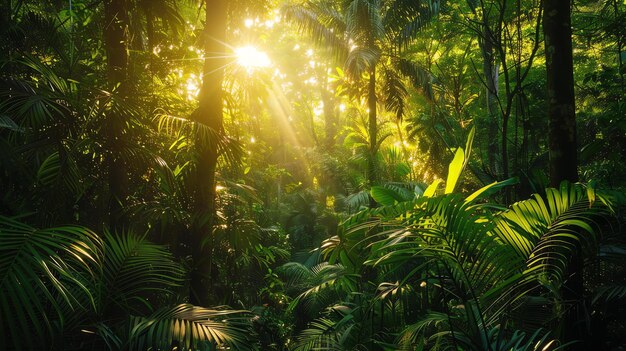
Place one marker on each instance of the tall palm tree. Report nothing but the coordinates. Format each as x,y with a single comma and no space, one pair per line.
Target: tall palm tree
366,36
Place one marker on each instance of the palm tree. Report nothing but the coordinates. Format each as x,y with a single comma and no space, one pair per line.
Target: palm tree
365,36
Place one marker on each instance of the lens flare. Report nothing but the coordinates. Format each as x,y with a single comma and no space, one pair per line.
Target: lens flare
251,58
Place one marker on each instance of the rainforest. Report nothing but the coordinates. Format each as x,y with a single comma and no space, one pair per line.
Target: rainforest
345,175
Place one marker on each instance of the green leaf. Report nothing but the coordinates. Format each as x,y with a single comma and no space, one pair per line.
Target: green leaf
196,328
430,191
468,145
42,279
491,188
454,170
384,196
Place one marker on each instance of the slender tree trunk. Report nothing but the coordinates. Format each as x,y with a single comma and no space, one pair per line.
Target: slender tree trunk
620,61
150,34
372,175
562,144
560,82
116,42
6,12
209,114
490,72
330,116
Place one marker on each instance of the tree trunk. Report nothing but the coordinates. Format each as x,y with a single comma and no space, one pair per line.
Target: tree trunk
330,116
562,145
560,82
620,61
490,71
116,42
373,128
209,114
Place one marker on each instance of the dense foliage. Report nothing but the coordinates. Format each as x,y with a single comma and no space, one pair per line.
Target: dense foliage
312,175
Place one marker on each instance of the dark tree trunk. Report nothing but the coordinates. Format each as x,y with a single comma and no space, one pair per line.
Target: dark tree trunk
116,42
560,82
620,61
490,72
209,114
562,145
372,175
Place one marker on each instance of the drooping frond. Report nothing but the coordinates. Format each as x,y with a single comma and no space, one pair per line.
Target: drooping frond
364,22
395,92
42,273
230,148
404,19
319,285
134,268
190,327
545,232
322,23
360,59
420,77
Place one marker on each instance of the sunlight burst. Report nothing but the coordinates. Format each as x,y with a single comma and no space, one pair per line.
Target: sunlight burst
251,58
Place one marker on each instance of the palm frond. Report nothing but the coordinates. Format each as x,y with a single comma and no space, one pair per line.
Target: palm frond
59,173
321,285
191,328
178,126
610,292
30,107
545,232
41,272
320,335
394,92
7,123
322,23
360,59
420,77
133,269
407,18
364,22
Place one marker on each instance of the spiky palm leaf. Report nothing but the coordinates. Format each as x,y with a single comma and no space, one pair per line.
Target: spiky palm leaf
545,232
190,327
317,286
133,269
490,261
324,23
42,273
179,126
443,337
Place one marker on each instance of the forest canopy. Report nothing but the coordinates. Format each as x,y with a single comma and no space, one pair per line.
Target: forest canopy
312,175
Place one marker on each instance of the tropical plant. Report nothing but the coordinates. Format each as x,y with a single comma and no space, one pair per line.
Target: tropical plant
43,274
65,279
475,264
183,326
358,34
